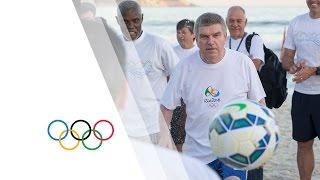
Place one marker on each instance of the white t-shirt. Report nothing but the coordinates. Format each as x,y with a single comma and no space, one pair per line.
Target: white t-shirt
158,163
150,60
303,36
256,48
184,53
205,88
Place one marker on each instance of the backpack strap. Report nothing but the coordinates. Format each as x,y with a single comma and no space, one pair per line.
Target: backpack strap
248,41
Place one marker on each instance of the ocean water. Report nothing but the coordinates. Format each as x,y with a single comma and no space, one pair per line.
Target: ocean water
269,23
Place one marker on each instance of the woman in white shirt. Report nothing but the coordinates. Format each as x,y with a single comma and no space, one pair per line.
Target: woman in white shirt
186,47
185,38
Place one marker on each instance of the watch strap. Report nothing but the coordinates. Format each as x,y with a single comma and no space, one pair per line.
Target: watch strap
318,71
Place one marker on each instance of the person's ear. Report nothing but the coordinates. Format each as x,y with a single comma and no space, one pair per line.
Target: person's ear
246,21
141,17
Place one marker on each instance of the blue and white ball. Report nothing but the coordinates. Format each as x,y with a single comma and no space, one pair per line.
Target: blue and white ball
244,134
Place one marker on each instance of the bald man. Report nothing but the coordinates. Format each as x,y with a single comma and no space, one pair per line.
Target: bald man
236,21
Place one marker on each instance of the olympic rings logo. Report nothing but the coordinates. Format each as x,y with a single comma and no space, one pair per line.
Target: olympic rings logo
63,134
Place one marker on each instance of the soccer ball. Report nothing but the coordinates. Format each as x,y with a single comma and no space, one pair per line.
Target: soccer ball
244,135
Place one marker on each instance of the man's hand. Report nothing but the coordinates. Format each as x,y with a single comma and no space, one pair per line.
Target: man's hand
304,72
165,140
262,101
297,67
257,63
294,68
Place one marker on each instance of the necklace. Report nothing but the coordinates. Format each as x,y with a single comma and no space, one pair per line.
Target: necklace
239,43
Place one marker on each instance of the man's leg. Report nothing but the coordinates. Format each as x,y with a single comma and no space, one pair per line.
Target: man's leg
304,131
305,158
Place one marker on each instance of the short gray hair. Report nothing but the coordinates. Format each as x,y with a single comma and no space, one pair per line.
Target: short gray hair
208,19
232,8
127,5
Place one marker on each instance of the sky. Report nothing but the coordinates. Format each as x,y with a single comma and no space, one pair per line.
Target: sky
258,3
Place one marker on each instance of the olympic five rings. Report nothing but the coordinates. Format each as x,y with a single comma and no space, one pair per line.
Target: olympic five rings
76,135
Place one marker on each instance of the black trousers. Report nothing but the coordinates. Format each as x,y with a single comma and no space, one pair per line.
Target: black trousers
255,174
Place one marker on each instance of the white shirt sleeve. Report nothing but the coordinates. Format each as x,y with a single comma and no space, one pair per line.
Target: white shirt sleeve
173,93
256,50
169,58
256,91
289,42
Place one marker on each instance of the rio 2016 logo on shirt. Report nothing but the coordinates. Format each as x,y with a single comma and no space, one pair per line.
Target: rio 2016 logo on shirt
211,96
210,91
61,130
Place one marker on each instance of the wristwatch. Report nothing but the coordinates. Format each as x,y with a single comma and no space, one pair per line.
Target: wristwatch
318,71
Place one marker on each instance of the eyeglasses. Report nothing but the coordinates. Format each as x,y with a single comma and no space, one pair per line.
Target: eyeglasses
188,23
185,23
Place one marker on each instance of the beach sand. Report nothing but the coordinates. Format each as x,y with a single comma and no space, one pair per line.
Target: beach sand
283,165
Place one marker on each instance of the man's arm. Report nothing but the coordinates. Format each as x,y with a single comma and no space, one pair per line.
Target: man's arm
169,101
165,136
256,91
262,101
167,114
257,52
257,63
288,51
287,60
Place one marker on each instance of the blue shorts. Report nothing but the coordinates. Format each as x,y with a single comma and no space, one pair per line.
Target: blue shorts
305,116
225,171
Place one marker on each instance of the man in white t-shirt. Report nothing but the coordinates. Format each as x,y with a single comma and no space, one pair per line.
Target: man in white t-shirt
303,40
206,81
236,21
150,60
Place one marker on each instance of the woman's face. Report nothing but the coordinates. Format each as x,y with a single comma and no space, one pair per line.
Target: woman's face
185,38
